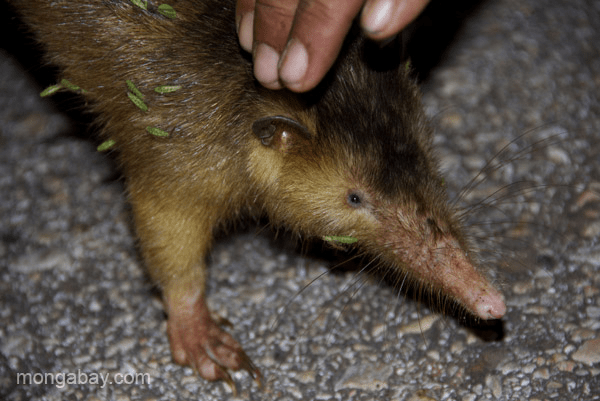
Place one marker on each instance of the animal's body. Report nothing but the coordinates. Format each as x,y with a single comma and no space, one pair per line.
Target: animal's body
351,158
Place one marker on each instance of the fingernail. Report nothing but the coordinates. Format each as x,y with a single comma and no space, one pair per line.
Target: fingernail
245,31
265,66
377,16
294,63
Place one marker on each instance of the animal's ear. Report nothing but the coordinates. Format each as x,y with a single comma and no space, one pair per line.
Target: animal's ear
281,133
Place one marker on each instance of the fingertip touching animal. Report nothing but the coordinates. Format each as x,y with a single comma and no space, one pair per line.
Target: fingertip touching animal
201,143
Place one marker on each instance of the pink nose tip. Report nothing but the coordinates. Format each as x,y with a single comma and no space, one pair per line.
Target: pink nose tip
491,306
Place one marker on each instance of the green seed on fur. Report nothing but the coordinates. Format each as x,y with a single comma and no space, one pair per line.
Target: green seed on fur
137,101
344,239
167,11
157,131
167,88
70,86
134,89
50,90
105,145
141,4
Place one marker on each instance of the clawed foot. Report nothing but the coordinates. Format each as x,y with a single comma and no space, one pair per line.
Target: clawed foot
198,341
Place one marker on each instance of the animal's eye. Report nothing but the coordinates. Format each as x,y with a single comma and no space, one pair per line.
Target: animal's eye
354,199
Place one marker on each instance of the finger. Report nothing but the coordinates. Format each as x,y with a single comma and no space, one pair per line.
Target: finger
315,40
383,18
244,23
273,21
272,24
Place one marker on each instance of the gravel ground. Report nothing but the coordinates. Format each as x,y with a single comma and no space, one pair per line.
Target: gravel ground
518,85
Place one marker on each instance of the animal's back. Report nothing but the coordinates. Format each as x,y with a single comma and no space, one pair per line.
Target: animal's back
99,45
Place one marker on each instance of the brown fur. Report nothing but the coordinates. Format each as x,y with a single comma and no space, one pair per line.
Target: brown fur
365,137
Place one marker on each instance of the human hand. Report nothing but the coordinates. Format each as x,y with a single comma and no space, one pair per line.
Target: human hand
295,42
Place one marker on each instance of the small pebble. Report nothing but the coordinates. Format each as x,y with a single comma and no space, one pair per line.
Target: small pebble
588,353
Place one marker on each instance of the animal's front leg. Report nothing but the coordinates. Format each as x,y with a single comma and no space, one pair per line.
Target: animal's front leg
174,240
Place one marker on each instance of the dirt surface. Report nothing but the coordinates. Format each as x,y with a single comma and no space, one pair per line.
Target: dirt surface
518,85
